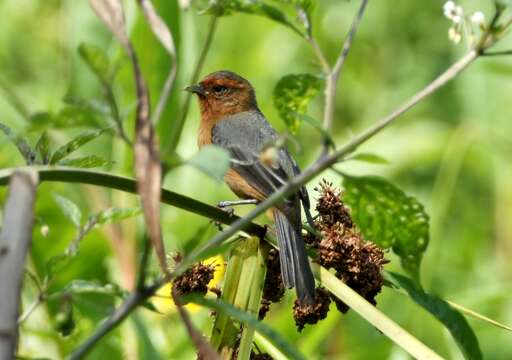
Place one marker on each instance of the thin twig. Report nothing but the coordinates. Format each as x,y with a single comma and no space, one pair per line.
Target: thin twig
131,303
349,40
204,349
180,121
164,35
498,53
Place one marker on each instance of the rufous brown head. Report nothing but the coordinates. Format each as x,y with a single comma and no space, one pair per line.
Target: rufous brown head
224,93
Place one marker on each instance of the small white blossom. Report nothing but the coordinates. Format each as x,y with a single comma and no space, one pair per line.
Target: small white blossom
478,18
454,35
453,12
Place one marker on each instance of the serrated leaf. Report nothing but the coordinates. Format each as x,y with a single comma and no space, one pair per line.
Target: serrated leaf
292,95
389,217
97,61
369,158
43,148
211,160
75,144
447,315
21,144
70,210
113,215
85,162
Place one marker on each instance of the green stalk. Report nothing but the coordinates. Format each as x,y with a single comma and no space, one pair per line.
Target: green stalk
243,287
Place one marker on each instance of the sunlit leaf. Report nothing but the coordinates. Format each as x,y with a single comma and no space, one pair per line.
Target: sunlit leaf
447,315
21,143
389,217
75,144
86,162
212,160
292,95
369,158
70,210
43,148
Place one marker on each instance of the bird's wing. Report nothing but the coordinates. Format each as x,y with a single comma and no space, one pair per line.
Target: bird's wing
245,135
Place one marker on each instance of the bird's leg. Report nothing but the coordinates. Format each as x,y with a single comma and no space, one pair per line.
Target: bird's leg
228,205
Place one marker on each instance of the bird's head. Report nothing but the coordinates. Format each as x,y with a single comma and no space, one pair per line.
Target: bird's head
224,93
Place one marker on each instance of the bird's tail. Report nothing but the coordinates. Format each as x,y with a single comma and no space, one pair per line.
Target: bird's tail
294,260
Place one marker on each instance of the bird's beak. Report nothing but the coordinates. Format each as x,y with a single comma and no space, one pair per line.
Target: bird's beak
196,89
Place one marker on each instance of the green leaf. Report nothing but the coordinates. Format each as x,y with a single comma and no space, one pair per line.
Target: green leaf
389,217
64,321
85,162
113,215
256,7
317,126
70,210
21,143
369,158
446,314
77,287
97,61
74,144
292,95
68,117
43,148
248,319
211,160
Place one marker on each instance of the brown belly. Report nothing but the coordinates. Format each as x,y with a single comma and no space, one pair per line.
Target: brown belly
241,187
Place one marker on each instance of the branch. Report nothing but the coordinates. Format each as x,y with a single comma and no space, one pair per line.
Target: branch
15,239
180,121
164,35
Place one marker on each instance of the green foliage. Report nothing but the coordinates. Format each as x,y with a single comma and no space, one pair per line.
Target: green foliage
369,158
447,315
70,210
211,160
389,217
292,95
75,144
86,162
21,144
97,61
43,148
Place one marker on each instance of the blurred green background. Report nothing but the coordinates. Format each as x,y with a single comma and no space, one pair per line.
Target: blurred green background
453,152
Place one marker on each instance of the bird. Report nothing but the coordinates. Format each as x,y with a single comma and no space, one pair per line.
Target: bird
232,120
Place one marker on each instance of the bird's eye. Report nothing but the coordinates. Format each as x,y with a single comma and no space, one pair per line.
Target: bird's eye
220,89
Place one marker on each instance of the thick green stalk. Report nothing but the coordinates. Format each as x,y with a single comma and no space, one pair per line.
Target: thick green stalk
243,286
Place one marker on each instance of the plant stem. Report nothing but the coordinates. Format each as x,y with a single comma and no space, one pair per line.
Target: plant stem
180,121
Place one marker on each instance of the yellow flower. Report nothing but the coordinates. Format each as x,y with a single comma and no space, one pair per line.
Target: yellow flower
163,302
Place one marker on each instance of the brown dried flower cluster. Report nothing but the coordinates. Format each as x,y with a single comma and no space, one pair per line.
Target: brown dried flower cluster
194,280
312,313
357,262
273,290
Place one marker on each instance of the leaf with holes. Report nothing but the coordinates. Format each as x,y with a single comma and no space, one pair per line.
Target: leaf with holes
75,144
389,217
447,315
70,210
292,95
86,162
211,160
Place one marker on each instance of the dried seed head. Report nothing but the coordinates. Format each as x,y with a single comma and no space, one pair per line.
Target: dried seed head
330,207
311,314
194,280
273,289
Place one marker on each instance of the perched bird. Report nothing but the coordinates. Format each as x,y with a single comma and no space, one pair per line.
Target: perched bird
231,119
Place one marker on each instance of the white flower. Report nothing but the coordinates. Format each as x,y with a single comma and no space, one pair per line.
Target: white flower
478,18
454,35
453,12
